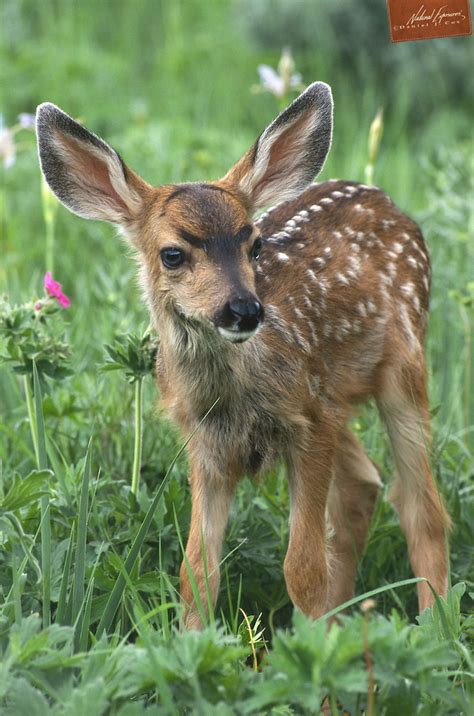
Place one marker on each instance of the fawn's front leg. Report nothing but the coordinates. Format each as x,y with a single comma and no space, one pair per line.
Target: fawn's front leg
310,472
211,497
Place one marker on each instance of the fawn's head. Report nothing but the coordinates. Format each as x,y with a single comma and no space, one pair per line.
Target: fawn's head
197,243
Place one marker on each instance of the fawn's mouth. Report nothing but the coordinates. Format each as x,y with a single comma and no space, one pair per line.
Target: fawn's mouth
236,336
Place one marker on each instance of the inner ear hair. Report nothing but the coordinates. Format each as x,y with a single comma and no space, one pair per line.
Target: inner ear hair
289,153
84,172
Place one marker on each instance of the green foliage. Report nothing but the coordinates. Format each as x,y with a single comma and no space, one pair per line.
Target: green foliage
170,87
26,490
134,354
415,669
34,332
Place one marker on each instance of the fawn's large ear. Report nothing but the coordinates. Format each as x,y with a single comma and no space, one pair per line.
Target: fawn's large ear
289,153
84,172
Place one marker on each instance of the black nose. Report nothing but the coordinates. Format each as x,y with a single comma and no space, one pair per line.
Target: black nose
242,314
246,309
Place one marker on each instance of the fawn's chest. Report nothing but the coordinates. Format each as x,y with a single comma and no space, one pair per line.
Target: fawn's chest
232,403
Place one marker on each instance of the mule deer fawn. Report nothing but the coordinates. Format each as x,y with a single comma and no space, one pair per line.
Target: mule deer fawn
290,320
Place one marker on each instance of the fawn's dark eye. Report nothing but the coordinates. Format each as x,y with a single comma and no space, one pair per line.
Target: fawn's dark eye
256,248
172,257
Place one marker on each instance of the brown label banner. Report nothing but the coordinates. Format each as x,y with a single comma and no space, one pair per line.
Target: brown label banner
417,20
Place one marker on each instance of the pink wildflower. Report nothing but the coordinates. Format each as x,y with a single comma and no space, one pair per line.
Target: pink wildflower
53,288
38,306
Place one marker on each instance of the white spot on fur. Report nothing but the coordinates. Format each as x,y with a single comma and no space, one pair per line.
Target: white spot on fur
324,285
275,320
299,340
342,279
420,251
351,189
398,248
408,289
326,200
386,279
361,309
311,274
314,336
337,235
319,262
412,261
392,269
337,194
354,262
282,257
315,207
408,328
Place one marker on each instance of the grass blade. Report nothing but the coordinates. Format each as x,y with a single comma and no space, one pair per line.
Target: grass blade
62,601
372,593
82,630
119,586
45,515
80,567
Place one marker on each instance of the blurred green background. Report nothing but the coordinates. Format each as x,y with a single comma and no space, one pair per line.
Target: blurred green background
169,85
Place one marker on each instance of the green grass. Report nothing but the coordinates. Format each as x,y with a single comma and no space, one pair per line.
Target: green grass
168,84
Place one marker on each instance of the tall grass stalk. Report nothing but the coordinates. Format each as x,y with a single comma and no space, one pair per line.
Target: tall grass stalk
80,565
50,206
31,414
45,514
375,136
16,583
137,452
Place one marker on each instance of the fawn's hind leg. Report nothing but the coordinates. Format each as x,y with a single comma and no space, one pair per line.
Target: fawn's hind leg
403,404
351,502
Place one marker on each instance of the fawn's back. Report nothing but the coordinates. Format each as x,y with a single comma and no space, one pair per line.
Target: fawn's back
344,277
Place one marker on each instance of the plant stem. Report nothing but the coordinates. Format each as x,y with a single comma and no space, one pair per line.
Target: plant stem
45,512
369,174
49,245
137,453
16,588
31,414
50,205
